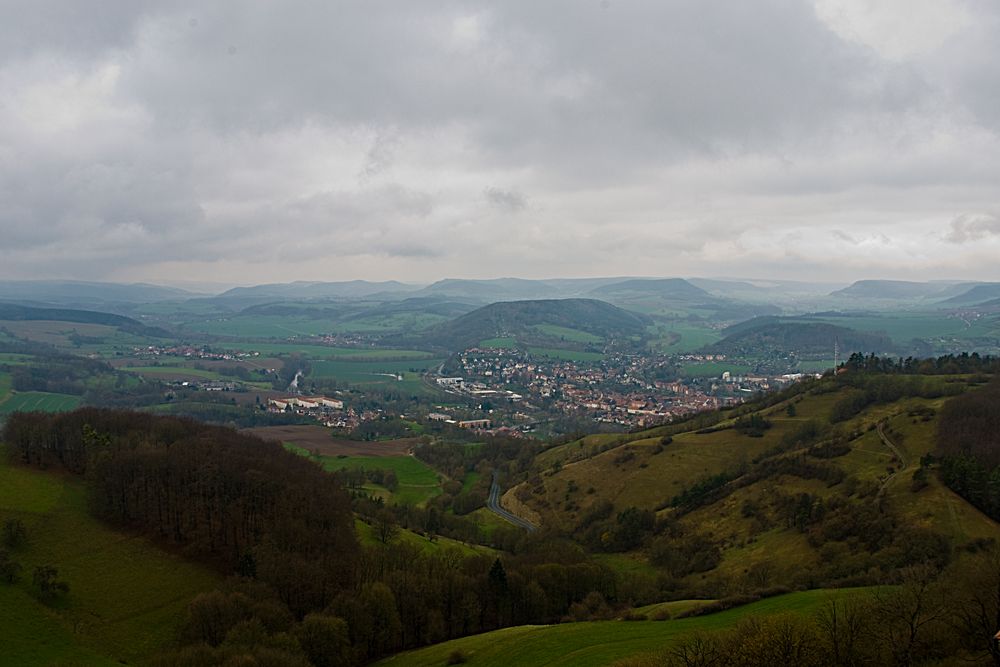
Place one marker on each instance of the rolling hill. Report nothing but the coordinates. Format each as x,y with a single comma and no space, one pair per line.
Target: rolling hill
840,447
78,293
768,336
975,295
522,319
19,313
672,288
890,289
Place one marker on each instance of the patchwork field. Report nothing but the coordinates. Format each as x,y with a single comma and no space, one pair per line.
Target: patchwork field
126,595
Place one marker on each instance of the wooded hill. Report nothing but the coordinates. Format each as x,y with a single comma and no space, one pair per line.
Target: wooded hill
764,336
521,319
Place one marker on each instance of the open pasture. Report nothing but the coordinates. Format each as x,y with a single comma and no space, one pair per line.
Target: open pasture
600,643
710,369
565,355
318,438
324,352
38,401
126,596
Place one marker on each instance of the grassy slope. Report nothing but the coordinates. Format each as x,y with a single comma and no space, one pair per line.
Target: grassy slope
126,595
417,481
28,401
596,643
366,535
647,480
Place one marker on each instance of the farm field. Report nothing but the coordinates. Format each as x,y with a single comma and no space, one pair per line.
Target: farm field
126,596
324,352
104,339
262,326
37,401
506,343
903,327
313,437
568,355
418,482
600,643
682,337
377,374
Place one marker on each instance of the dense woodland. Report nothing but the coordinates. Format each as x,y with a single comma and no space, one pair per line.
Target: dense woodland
969,447
284,529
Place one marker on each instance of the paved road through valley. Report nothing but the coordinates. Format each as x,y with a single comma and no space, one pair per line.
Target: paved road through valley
493,504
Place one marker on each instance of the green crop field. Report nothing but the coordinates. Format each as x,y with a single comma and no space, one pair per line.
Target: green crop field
507,343
573,335
395,322
323,352
600,643
417,481
170,371
126,596
566,355
14,359
263,326
38,401
681,337
381,374
904,327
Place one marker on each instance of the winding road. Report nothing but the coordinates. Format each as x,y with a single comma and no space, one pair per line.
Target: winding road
493,504
899,455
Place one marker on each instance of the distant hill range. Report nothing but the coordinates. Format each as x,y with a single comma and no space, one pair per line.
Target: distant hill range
76,293
521,319
940,292
771,335
20,313
317,290
977,294
676,288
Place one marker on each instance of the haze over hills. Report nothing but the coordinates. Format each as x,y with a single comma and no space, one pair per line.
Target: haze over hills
73,292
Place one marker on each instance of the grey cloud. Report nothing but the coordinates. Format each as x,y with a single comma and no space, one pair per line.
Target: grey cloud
973,227
506,200
261,132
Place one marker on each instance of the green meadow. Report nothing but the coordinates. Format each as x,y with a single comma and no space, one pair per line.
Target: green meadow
600,643
565,355
714,369
324,352
418,482
37,401
505,343
126,596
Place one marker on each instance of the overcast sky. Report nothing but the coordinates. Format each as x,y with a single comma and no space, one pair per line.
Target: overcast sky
249,142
